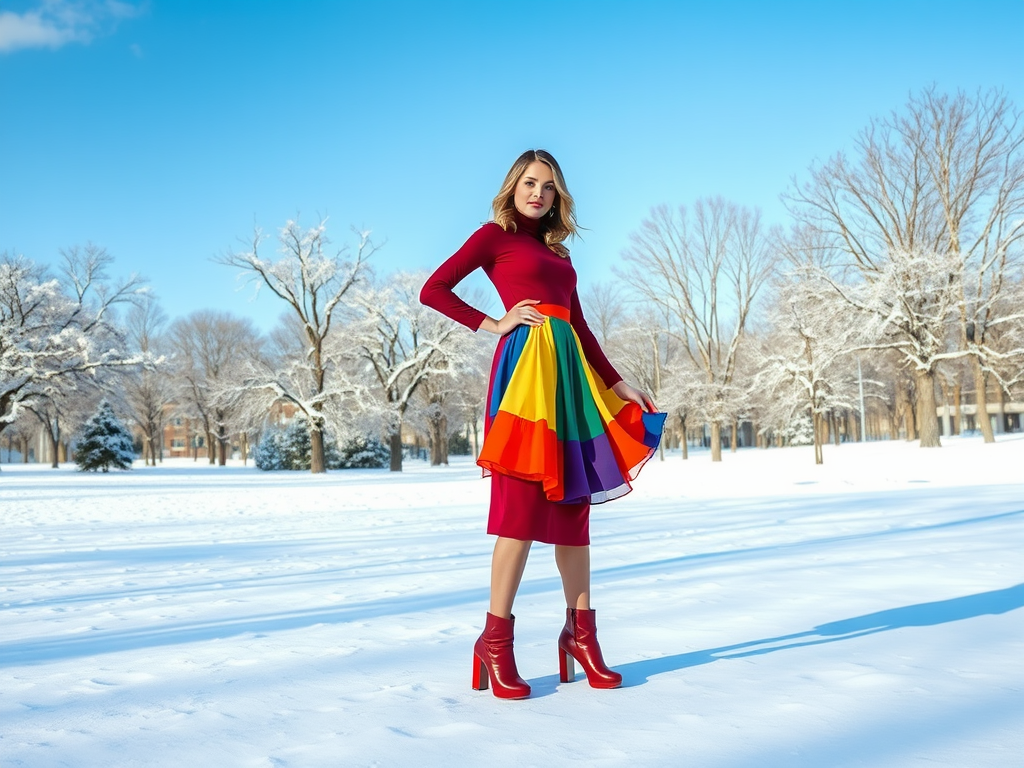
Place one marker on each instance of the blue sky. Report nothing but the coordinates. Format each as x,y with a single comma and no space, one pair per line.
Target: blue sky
163,130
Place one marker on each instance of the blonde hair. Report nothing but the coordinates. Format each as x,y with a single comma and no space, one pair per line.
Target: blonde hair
553,228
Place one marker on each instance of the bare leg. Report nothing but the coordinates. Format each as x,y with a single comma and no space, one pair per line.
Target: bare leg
507,566
574,566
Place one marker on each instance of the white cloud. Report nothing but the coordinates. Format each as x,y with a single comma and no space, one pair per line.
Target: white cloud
54,23
30,30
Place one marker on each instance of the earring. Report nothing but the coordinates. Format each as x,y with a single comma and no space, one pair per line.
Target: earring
551,213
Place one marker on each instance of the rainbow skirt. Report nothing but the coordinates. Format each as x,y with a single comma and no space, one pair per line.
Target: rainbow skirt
550,419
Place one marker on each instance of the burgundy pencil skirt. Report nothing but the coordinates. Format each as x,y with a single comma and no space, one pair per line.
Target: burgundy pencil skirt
520,510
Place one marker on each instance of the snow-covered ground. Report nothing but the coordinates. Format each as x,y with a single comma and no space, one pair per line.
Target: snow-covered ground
763,611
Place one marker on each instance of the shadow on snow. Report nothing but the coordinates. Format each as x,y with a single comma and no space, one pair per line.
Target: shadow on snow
921,615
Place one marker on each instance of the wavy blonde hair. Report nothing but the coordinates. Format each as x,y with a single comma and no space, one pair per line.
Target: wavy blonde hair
553,228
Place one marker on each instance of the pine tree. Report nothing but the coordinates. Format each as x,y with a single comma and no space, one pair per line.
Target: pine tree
105,442
269,453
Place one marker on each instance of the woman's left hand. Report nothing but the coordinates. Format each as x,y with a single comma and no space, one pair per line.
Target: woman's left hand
634,395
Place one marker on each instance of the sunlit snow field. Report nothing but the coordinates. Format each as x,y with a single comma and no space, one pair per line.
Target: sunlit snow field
763,611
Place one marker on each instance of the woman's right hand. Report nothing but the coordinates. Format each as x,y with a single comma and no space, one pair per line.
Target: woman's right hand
522,313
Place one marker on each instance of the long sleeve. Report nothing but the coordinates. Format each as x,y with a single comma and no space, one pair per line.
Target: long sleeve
591,348
437,292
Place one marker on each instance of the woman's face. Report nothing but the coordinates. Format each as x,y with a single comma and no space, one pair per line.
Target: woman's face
535,192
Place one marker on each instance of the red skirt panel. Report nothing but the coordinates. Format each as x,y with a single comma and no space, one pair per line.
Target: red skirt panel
520,510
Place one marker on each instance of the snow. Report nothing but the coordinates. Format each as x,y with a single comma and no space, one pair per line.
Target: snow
763,611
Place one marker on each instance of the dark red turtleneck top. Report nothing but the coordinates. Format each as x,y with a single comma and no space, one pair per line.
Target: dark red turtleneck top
521,267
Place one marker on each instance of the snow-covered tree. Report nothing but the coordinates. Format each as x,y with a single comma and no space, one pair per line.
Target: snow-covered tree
931,209
362,452
804,360
972,150
287,448
397,344
703,269
452,403
53,328
313,283
106,442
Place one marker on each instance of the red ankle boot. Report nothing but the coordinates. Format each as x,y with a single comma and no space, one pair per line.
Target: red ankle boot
494,662
579,641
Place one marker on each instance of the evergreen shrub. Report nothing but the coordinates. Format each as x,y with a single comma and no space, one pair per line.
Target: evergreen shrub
105,442
458,444
290,449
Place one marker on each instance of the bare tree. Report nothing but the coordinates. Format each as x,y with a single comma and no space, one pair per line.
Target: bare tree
972,148
882,212
20,433
147,388
313,283
62,404
470,384
637,340
435,411
606,304
211,350
703,269
938,187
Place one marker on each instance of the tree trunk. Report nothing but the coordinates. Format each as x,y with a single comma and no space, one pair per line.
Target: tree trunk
716,441
981,418
438,441
222,446
684,442
734,438
316,451
910,420
54,447
244,440
1000,411
24,449
926,410
395,442
835,429
211,448
816,428
957,423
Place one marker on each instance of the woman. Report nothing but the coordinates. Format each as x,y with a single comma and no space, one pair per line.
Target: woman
562,429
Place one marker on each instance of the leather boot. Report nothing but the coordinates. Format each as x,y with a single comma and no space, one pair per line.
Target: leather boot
494,662
579,641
